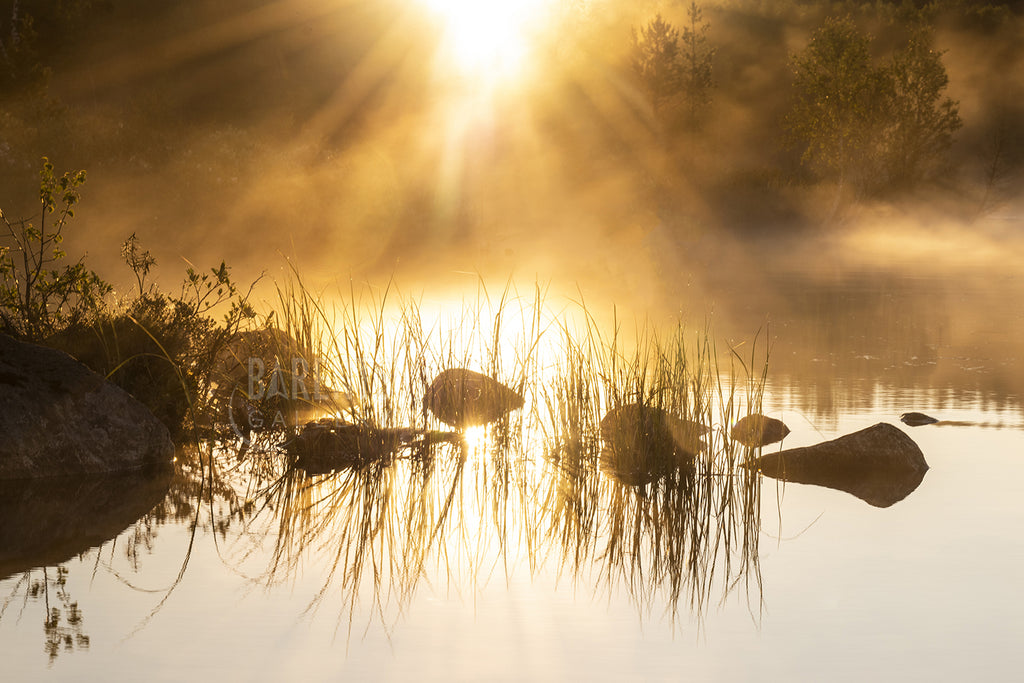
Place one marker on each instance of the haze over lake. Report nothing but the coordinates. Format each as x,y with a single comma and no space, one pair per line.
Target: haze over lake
537,259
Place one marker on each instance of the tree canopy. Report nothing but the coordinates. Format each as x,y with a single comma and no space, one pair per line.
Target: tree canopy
874,126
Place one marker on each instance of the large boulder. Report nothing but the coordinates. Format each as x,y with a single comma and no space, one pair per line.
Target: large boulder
881,465
58,417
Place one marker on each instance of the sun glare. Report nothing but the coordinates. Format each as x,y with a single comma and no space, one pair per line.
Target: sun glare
485,40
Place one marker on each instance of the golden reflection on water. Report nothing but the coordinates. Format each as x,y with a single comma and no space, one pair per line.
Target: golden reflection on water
856,341
527,489
457,514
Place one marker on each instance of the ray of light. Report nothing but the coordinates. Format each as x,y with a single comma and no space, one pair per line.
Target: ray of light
231,31
382,62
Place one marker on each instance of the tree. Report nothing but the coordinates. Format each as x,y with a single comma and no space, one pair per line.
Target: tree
877,127
919,123
697,58
837,106
30,35
656,61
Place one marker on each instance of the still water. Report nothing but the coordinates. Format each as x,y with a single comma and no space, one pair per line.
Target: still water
492,560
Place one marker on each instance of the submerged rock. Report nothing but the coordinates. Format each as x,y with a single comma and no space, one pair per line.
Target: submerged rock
644,443
881,465
758,430
326,446
58,417
463,398
917,419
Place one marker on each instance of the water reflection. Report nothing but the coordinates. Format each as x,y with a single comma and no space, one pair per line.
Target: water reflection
670,541
874,341
452,513
620,469
63,621
47,521
881,465
381,519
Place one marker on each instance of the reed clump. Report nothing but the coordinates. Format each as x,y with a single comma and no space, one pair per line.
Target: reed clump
617,466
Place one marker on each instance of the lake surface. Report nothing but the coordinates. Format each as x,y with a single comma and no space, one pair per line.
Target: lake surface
495,562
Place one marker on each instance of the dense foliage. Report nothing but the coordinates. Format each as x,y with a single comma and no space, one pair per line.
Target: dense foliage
877,126
675,68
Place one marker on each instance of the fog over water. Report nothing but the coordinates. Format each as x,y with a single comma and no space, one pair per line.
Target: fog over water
380,151
341,137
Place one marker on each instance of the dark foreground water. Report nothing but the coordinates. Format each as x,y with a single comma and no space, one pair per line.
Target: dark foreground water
490,562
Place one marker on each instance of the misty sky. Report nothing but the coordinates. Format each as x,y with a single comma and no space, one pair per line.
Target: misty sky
426,140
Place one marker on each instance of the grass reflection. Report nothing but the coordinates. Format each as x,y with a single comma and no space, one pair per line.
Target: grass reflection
374,526
533,488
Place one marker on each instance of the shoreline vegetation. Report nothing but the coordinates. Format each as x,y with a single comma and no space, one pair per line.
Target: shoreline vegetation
369,355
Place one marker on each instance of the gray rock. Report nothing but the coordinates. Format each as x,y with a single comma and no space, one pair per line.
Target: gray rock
463,398
644,443
758,430
881,465
57,417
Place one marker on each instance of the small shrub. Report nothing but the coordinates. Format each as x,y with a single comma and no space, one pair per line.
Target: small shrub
38,297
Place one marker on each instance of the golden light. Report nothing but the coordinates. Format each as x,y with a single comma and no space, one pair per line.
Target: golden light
488,41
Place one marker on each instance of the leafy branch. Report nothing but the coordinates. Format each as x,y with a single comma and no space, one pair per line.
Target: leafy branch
37,296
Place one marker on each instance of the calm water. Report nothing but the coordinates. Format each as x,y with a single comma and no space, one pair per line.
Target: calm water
498,565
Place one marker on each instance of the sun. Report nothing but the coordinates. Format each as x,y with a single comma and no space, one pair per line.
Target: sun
489,41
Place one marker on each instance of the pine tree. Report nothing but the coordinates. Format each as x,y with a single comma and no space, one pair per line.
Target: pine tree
656,61
697,57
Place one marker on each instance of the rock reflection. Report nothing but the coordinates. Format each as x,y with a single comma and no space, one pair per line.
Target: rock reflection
880,465
693,531
379,522
45,522
609,469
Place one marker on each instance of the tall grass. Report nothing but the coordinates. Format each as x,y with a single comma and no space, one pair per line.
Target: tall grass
529,489
685,532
